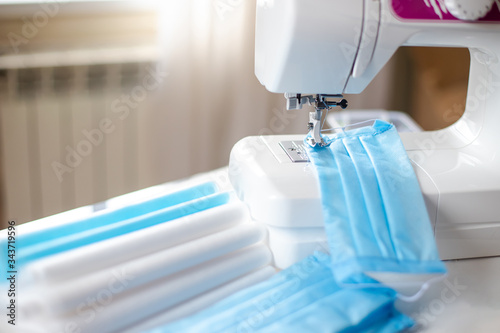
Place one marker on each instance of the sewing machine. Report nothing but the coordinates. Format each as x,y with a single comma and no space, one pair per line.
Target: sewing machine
334,47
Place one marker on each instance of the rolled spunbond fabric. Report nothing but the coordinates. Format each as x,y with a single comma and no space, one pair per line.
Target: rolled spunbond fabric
118,311
121,249
202,301
66,243
38,243
59,298
106,217
186,308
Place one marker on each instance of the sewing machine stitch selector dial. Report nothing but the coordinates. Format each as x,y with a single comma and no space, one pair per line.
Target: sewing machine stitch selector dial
468,10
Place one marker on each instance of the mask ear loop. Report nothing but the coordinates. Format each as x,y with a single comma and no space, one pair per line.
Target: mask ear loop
407,299
427,284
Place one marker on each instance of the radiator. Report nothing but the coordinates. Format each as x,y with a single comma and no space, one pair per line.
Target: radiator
69,133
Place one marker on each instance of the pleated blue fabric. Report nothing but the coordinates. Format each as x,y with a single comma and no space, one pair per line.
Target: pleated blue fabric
374,212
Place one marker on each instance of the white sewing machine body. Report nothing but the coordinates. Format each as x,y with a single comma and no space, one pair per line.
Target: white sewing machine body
338,46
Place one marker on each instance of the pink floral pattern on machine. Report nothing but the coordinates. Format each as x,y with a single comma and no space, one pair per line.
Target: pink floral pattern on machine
434,10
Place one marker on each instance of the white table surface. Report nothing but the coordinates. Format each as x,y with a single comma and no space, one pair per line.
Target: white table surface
468,300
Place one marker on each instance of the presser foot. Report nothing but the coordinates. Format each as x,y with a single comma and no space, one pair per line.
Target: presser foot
313,143
315,124
320,103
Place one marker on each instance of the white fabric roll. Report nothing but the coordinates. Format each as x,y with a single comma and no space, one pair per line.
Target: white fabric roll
62,297
124,248
205,300
124,310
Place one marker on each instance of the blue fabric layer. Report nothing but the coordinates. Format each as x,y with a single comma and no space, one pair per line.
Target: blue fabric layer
107,217
302,298
374,212
77,239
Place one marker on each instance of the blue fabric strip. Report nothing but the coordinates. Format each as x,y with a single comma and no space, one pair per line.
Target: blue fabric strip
42,249
107,217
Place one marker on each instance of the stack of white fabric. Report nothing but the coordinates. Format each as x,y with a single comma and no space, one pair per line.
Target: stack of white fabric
145,278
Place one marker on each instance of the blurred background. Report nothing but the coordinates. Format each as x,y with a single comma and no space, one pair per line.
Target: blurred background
101,98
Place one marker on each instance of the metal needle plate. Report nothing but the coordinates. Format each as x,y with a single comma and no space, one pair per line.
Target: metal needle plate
295,150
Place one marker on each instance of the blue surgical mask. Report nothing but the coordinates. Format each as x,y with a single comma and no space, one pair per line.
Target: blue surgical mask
375,216
303,298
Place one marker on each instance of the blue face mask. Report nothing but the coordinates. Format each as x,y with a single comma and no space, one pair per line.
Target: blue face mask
302,298
375,216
